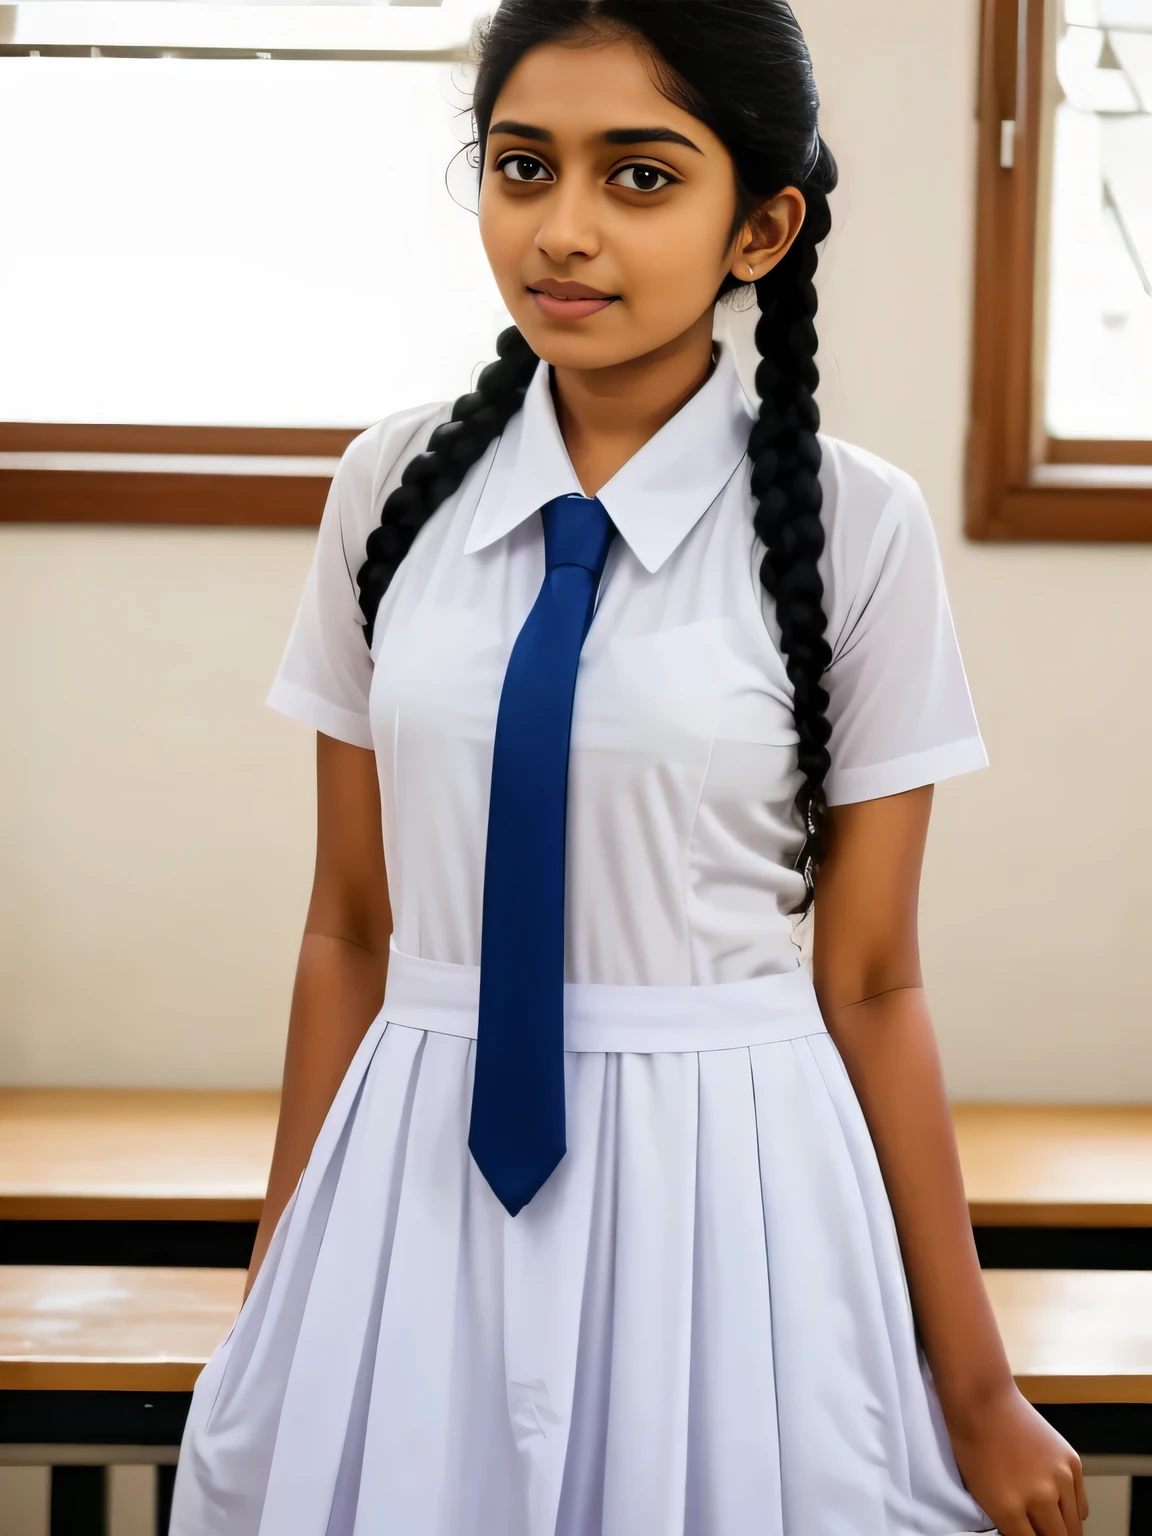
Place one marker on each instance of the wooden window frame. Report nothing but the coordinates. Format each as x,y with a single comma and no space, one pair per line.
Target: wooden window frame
275,477
210,476
1022,484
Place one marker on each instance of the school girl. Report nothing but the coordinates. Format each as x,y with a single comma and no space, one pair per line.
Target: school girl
591,1213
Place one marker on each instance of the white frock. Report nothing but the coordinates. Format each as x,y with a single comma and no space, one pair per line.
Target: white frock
700,1326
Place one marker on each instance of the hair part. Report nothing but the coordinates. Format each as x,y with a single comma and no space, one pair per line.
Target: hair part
743,69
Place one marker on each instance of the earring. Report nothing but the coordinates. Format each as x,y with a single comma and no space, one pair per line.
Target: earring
751,274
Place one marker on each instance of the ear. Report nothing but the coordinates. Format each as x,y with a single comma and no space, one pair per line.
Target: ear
768,235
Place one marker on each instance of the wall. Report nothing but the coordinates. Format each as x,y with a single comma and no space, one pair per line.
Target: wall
156,827
1037,886
157,822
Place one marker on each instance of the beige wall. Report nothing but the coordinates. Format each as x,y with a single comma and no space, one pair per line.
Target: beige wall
156,822
1037,892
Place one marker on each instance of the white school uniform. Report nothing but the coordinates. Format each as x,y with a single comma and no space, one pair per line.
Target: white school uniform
700,1326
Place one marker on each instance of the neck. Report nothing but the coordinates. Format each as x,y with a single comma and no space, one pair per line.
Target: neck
607,414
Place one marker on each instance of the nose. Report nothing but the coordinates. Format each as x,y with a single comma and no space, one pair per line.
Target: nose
569,226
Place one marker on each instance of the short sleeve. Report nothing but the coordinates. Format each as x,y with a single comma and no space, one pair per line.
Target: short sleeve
325,673
900,708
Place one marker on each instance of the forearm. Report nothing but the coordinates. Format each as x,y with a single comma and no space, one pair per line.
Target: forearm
890,1053
338,991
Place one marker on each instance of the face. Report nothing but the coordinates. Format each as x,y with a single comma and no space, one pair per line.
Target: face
594,182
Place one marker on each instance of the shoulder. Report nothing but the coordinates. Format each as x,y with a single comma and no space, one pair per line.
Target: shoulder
878,532
865,496
373,462
872,511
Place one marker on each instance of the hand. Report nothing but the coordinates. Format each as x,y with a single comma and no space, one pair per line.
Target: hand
1024,1475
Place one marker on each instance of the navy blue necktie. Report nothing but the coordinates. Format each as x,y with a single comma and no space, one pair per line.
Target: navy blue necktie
516,1134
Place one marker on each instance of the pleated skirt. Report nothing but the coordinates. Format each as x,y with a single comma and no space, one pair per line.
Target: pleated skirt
700,1326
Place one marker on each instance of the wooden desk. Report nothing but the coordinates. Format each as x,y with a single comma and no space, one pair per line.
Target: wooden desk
97,1366
132,1176
1058,1186
1076,1336
147,1154
1073,1336
178,1177
1080,1346
136,1154
75,1328
1035,1165
99,1358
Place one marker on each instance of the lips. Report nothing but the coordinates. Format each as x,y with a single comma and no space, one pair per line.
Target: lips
567,288
565,300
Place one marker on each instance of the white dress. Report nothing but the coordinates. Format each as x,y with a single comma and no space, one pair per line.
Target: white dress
700,1326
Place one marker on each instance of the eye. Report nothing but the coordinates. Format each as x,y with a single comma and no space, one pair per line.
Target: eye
642,175
525,167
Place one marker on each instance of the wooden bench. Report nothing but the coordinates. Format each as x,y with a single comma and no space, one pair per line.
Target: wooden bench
97,1367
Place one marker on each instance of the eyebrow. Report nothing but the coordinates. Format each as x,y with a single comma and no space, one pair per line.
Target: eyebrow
611,136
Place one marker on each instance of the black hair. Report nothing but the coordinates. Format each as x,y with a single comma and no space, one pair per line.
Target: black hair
741,67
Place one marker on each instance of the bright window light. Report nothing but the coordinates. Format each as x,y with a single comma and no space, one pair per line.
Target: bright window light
1099,368
237,242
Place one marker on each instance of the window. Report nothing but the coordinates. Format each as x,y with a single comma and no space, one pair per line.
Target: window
222,261
1061,434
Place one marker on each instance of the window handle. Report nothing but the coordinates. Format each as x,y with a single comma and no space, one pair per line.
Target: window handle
1007,143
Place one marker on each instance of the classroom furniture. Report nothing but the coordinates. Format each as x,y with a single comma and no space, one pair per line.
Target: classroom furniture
133,1176
97,1366
172,1176
149,1154
1058,1186
1080,1344
175,1177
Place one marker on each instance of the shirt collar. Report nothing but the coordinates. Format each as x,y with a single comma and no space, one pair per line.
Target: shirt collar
655,499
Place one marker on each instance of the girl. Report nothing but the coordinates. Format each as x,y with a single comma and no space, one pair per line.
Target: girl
590,1215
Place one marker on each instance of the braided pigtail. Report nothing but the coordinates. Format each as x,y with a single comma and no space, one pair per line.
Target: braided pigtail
786,455
432,476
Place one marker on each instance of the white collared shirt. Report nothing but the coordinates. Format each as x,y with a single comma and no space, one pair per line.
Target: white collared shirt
682,832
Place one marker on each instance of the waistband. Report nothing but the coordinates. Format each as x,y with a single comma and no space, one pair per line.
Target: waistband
430,994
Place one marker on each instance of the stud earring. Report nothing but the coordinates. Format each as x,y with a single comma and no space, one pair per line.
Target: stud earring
751,274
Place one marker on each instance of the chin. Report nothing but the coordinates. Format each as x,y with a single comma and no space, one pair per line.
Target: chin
563,347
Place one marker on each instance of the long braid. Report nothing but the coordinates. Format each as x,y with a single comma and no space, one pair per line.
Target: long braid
432,476
786,455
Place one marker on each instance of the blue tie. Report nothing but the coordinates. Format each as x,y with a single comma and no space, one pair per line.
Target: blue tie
516,1133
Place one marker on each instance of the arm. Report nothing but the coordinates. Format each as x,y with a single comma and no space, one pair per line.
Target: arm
342,967
866,967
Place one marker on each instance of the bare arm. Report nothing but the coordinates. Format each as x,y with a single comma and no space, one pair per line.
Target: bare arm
866,965
342,967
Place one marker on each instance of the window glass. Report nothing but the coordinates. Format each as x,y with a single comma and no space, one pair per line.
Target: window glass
1099,355
237,241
